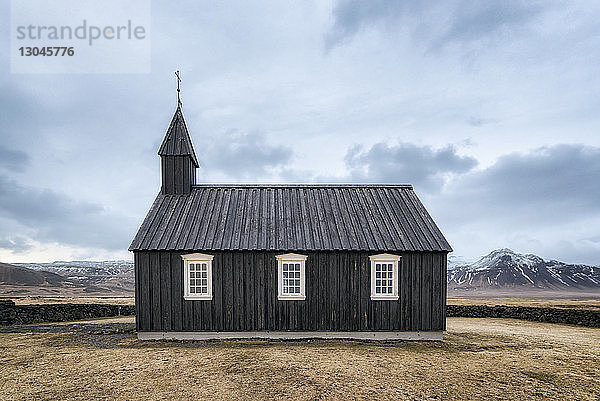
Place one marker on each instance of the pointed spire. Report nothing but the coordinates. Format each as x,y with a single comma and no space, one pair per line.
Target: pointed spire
177,141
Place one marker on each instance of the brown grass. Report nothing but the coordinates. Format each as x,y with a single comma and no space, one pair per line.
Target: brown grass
480,359
72,300
123,288
593,304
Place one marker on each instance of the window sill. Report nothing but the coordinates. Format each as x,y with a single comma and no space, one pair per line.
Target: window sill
196,298
384,298
293,298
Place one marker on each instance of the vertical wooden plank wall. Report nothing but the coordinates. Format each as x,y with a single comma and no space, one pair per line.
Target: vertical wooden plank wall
178,174
245,294
136,266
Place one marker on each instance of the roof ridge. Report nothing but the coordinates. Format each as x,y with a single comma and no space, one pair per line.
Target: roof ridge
299,185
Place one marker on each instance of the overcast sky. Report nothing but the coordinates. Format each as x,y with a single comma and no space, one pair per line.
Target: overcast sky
491,109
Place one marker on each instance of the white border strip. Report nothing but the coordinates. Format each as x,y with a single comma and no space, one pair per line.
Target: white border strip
292,335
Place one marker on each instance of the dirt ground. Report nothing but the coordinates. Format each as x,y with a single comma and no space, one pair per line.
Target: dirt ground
479,359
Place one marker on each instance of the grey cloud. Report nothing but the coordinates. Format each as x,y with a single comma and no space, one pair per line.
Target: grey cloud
549,185
352,15
15,243
14,160
19,121
423,166
462,20
52,217
478,121
243,155
575,251
473,20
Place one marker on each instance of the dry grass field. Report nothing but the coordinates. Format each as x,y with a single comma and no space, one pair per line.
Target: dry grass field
34,300
593,304
479,359
550,303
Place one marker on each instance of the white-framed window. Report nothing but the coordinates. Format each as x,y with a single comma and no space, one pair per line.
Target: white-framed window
197,276
290,277
384,276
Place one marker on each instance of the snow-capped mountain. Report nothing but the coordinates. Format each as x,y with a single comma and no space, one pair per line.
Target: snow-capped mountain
504,268
457,261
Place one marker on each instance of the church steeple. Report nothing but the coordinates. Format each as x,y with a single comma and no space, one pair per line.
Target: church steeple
178,159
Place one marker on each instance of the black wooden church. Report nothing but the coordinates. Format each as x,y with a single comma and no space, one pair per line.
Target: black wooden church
284,260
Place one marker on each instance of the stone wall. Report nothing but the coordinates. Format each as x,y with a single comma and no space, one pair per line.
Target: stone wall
28,314
580,317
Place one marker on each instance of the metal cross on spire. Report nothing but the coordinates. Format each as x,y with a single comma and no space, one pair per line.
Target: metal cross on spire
178,88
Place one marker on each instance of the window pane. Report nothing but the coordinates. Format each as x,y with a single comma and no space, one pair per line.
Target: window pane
192,290
389,283
378,282
390,267
290,278
377,290
378,267
204,266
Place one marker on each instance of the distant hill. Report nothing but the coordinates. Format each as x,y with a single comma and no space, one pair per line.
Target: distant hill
18,275
506,269
111,277
75,278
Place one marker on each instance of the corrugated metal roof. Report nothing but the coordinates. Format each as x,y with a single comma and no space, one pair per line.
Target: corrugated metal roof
177,141
290,217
